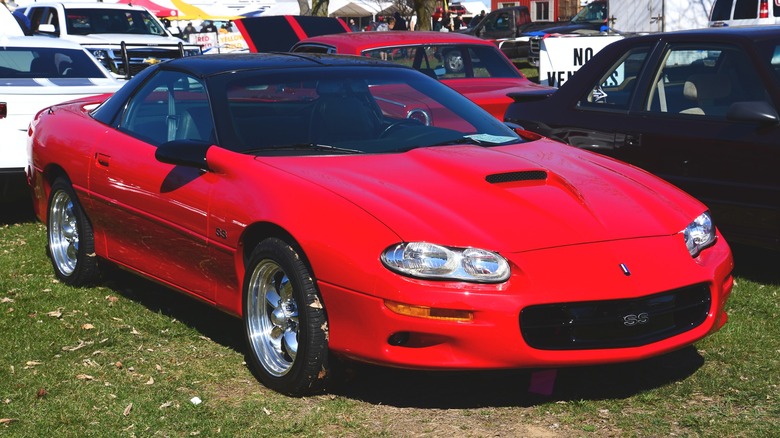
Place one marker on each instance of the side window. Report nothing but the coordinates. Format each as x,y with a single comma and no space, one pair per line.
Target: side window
721,10
170,106
745,9
704,81
616,86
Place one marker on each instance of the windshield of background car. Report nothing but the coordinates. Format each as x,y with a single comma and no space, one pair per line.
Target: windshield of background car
346,110
45,62
595,12
95,21
450,61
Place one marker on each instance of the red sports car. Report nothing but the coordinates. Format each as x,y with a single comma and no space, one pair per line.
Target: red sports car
352,207
471,66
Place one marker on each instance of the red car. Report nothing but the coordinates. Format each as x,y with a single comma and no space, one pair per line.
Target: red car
471,66
352,207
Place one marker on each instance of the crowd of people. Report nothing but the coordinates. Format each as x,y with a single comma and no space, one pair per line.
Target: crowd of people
443,21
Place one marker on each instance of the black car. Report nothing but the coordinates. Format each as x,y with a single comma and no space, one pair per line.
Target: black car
697,108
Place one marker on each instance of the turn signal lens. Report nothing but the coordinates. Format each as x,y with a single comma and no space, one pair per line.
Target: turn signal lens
429,312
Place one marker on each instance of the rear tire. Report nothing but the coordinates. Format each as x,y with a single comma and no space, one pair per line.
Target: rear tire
71,242
285,323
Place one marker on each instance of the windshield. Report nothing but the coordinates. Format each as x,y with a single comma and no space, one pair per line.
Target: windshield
84,21
450,61
595,12
45,62
347,110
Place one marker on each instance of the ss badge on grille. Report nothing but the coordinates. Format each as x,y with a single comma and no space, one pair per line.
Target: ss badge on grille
631,320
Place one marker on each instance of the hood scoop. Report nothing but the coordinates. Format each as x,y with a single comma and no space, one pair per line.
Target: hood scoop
520,176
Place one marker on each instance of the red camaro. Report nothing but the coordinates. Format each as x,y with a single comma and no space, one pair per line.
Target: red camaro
471,66
346,206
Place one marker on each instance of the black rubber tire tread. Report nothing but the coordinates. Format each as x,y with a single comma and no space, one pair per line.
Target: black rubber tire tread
87,270
310,371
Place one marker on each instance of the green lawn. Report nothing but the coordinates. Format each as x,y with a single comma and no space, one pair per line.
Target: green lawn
128,357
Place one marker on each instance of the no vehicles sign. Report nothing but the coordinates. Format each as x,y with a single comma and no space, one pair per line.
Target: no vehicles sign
560,57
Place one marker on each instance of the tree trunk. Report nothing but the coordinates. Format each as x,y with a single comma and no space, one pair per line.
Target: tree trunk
304,6
319,8
424,9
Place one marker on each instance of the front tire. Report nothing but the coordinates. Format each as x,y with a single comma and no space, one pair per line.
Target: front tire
285,323
71,242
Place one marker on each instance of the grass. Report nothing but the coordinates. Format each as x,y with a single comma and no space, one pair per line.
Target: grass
128,357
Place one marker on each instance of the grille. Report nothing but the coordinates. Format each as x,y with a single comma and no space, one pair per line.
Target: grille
529,175
534,49
615,323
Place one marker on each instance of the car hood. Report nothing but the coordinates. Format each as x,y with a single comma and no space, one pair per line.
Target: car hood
513,198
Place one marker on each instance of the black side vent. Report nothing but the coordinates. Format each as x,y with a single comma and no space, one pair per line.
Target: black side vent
526,175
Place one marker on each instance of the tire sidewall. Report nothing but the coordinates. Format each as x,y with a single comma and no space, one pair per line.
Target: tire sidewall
309,371
86,270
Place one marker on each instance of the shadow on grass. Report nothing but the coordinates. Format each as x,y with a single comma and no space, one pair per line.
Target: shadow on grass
477,389
210,322
426,389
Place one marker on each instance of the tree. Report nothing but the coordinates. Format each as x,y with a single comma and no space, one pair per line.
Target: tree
319,8
304,7
424,9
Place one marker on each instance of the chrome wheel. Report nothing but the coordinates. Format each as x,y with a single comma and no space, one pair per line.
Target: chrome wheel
272,318
71,240
285,323
63,233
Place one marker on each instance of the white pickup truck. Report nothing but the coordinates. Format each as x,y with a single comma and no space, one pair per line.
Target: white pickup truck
35,73
124,38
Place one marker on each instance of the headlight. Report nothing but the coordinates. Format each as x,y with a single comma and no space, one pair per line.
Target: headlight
100,54
427,260
699,234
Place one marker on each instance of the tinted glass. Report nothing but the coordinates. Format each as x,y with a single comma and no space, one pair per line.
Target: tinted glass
40,62
92,21
746,9
721,10
450,61
170,106
704,80
617,85
346,110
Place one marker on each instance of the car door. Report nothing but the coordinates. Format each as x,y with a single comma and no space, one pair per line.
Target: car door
685,130
154,215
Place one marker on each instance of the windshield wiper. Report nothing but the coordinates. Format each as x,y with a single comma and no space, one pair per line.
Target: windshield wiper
479,139
304,146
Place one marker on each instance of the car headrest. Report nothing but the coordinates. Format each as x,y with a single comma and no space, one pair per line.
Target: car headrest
706,87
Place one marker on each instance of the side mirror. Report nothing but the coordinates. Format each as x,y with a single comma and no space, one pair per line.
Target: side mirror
47,28
190,153
759,112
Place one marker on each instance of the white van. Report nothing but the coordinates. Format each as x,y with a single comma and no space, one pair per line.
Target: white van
744,13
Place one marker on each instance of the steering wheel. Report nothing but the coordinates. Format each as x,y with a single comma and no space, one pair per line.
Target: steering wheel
400,123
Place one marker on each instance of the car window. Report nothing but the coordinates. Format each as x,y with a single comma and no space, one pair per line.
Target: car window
170,106
48,63
746,9
353,110
450,61
86,21
703,81
617,85
721,10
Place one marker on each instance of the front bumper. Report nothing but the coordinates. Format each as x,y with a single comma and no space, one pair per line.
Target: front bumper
363,328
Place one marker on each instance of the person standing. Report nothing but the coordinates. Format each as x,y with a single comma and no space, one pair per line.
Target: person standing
399,22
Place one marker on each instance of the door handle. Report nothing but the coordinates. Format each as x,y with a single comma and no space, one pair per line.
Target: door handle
102,159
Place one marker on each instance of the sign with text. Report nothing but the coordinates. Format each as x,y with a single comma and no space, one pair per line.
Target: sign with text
560,57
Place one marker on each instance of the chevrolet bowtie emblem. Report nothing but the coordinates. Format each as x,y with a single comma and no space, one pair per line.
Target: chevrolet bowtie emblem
151,61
